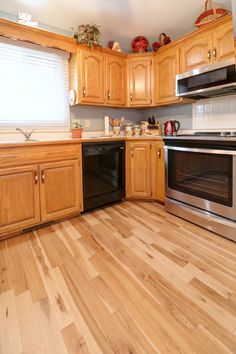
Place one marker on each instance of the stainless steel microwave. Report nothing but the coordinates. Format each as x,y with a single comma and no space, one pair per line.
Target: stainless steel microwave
210,81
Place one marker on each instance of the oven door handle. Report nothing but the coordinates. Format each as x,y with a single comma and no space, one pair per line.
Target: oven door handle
203,151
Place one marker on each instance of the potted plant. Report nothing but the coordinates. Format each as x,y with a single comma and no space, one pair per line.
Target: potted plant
77,130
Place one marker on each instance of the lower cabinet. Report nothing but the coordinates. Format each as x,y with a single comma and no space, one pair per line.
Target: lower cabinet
138,170
32,194
19,198
145,175
59,189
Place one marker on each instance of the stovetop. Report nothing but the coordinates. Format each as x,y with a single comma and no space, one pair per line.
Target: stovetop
221,134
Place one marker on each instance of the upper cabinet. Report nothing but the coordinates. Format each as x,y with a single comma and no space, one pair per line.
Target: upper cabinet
166,67
223,42
98,77
115,80
91,76
196,52
210,45
140,81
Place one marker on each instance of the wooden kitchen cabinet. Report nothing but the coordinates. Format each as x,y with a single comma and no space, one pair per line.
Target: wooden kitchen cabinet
223,42
196,52
140,81
145,170
138,169
209,45
166,67
59,189
115,80
91,76
39,183
158,171
19,198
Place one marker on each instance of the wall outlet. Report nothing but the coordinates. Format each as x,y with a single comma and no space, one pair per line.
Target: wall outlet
87,123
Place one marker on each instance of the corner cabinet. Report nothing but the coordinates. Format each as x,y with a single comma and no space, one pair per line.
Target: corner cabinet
140,74
138,169
39,183
145,176
166,67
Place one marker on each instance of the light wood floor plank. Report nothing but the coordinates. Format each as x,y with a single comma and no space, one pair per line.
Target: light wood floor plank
126,279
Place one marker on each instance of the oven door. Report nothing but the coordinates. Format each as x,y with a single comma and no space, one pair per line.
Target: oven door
202,178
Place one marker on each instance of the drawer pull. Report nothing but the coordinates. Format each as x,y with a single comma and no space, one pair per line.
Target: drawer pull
132,152
131,97
159,153
108,95
84,91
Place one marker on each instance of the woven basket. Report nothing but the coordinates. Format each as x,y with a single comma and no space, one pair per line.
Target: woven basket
210,14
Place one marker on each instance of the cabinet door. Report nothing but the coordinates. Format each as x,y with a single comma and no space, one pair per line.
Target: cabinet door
158,168
166,67
115,81
139,169
196,52
59,189
140,82
19,198
91,77
223,42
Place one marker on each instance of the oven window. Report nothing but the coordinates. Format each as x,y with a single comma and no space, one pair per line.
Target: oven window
207,176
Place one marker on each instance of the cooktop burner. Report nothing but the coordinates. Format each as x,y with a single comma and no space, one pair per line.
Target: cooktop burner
222,134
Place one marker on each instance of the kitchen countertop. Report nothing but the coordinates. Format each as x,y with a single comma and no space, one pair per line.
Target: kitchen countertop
73,141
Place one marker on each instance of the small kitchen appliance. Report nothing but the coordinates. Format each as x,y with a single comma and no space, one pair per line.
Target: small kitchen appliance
171,127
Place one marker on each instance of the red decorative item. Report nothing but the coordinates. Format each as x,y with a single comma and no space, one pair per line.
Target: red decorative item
140,44
156,46
210,14
164,39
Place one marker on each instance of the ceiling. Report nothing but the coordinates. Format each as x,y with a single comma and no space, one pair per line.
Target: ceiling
120,20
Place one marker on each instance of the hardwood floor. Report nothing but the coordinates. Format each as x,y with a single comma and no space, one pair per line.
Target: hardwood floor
126,279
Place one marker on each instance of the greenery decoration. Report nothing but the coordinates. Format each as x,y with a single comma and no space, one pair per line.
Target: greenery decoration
88,34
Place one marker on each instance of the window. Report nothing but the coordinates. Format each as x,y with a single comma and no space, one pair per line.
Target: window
33,86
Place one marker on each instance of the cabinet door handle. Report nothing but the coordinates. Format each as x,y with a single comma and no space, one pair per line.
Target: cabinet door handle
132,152
215,53
84,91
209,55
36,177
159,153
43,176
108,95
131,97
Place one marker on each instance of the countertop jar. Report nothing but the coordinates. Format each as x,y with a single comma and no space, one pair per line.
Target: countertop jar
136,129
128,129
144,127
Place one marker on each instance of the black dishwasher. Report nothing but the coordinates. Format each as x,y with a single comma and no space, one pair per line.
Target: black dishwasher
103,173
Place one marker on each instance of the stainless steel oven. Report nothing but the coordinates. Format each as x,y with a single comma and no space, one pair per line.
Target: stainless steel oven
200,183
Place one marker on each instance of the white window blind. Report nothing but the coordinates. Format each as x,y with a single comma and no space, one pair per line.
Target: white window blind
33,86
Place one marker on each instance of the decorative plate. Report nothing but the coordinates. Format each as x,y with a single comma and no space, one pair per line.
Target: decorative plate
140,44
